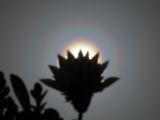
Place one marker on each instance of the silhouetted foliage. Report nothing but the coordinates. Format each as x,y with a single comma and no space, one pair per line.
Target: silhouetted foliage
78,79
38,95
8,108
21,92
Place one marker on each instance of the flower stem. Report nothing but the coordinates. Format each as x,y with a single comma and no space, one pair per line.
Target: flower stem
80,117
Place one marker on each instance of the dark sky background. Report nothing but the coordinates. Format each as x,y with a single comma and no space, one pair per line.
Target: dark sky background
32,33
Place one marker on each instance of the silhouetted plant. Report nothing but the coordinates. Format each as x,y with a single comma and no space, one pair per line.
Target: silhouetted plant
38,95
8,109
21,92
32,111
78,79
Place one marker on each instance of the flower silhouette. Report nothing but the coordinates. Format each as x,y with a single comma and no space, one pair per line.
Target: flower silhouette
78,79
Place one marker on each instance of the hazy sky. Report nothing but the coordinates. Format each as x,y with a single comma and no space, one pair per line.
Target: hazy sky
126,31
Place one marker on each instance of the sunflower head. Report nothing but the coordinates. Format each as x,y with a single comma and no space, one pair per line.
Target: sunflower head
79,78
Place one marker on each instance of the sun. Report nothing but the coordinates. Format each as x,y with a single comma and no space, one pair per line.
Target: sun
83,44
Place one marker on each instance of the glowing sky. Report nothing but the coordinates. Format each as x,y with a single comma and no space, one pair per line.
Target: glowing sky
125,32
83,44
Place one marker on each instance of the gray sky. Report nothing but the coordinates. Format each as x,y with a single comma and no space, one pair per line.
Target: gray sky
127,31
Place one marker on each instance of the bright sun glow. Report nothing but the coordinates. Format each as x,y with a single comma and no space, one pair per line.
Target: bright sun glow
84,45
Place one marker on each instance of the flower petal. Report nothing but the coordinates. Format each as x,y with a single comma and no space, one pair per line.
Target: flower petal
87,56
109,81
62,61
95,58
70,55
80,54
51,83
103,66
54,69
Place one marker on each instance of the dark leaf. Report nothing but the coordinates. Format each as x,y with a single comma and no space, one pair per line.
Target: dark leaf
44,94
51,114
2,81
11,107
33,94
1,75
21,92
38,88
5,91
42,106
